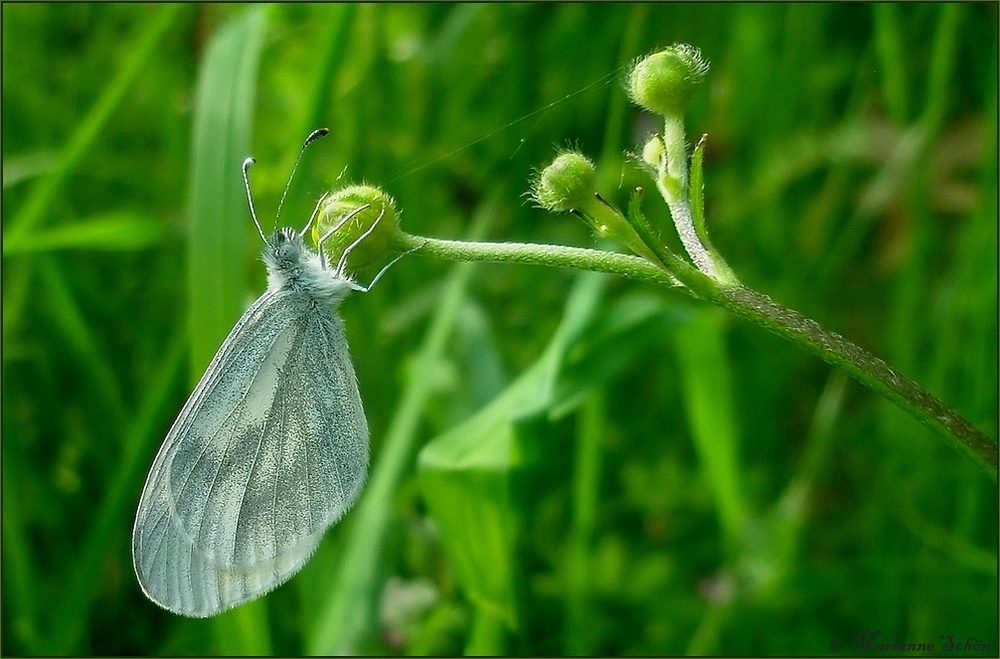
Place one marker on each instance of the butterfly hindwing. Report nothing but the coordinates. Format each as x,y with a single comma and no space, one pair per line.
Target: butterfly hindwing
268,452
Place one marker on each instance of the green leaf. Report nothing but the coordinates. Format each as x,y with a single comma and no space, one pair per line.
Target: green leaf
115,231
625,331
466,476
467,486
701,355
89,129
27,166
224,102
142,434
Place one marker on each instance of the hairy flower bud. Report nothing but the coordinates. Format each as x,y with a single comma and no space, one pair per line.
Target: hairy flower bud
365,206
664,81
565,185
653,152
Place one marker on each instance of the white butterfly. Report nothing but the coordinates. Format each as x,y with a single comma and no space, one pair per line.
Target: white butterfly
270,450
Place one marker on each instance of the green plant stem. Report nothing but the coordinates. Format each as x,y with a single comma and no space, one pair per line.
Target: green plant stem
749,305
672,182
684,223
560,256
865,368
675,147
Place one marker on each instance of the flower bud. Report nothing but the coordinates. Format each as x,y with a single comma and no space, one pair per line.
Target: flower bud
567,184
653,152
664,81
375,205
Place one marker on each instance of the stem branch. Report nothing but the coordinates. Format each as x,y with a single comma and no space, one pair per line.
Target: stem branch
749,305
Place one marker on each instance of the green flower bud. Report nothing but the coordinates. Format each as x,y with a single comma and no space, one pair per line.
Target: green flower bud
664,81
565,185
342,203
653,152
568,185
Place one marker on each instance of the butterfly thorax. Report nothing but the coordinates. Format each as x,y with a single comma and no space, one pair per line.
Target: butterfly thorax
292,266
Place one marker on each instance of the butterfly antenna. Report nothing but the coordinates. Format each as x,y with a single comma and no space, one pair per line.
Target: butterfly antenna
312,218
313,136
246,182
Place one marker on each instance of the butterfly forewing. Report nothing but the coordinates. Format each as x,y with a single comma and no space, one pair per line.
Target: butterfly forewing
269,451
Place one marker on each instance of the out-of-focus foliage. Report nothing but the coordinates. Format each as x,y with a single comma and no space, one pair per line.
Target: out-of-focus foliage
564,463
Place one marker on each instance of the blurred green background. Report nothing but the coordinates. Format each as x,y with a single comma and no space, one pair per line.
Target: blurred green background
564,463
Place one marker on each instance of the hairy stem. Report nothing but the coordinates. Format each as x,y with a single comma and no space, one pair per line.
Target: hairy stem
866,369
561,256
749,305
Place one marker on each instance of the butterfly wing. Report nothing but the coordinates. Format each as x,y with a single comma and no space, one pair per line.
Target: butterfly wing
268,452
